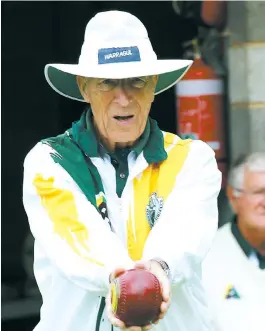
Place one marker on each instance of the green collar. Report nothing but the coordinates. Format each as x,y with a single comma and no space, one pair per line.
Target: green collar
243,243
151,142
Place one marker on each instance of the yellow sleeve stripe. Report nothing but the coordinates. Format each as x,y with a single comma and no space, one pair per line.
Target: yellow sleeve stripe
61,208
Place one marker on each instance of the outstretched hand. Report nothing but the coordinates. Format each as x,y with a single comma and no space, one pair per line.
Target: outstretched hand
112,318
154,268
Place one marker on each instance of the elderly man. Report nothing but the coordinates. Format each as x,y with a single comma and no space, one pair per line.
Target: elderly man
234,269
115,192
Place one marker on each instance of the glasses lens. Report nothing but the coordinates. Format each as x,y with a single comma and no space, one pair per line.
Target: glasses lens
107,84
137,82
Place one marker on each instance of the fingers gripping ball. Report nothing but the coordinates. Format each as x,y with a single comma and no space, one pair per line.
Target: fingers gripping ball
136,297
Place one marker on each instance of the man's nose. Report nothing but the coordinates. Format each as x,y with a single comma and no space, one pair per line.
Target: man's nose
263,200
122,96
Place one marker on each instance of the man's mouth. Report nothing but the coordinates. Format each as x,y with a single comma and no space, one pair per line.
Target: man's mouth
123,118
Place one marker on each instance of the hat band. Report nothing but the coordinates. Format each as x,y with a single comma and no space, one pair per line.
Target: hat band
118,54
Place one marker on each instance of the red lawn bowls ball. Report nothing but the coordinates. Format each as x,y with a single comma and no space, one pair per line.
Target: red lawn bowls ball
136,297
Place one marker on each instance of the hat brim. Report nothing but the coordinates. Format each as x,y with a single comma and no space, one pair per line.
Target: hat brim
62,77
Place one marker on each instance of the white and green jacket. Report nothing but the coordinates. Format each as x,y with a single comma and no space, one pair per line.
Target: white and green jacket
234,283
83,230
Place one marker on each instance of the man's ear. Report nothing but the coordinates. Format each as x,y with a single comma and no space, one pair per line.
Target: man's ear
154,82
81,82
232,197
155,79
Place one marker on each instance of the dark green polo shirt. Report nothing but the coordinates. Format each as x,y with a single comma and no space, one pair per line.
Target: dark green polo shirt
245,246
119,158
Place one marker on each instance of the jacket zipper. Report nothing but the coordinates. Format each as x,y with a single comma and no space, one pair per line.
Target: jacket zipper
100,313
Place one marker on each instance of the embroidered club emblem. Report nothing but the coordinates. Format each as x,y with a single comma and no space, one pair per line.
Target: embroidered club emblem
102,207
231,293
154,209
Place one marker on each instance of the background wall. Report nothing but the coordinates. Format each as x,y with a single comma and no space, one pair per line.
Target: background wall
246,61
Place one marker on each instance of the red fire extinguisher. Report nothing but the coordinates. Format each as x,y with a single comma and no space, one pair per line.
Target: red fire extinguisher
200,106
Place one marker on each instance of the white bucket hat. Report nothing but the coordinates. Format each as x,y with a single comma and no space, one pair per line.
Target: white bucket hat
116,45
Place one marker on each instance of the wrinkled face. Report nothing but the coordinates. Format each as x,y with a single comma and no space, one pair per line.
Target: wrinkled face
250,205
250,208
120,107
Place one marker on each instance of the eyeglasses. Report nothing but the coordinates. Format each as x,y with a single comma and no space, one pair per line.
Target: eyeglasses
259,194
135,83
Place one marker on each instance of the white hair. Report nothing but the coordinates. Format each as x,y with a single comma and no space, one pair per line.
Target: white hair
254,162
